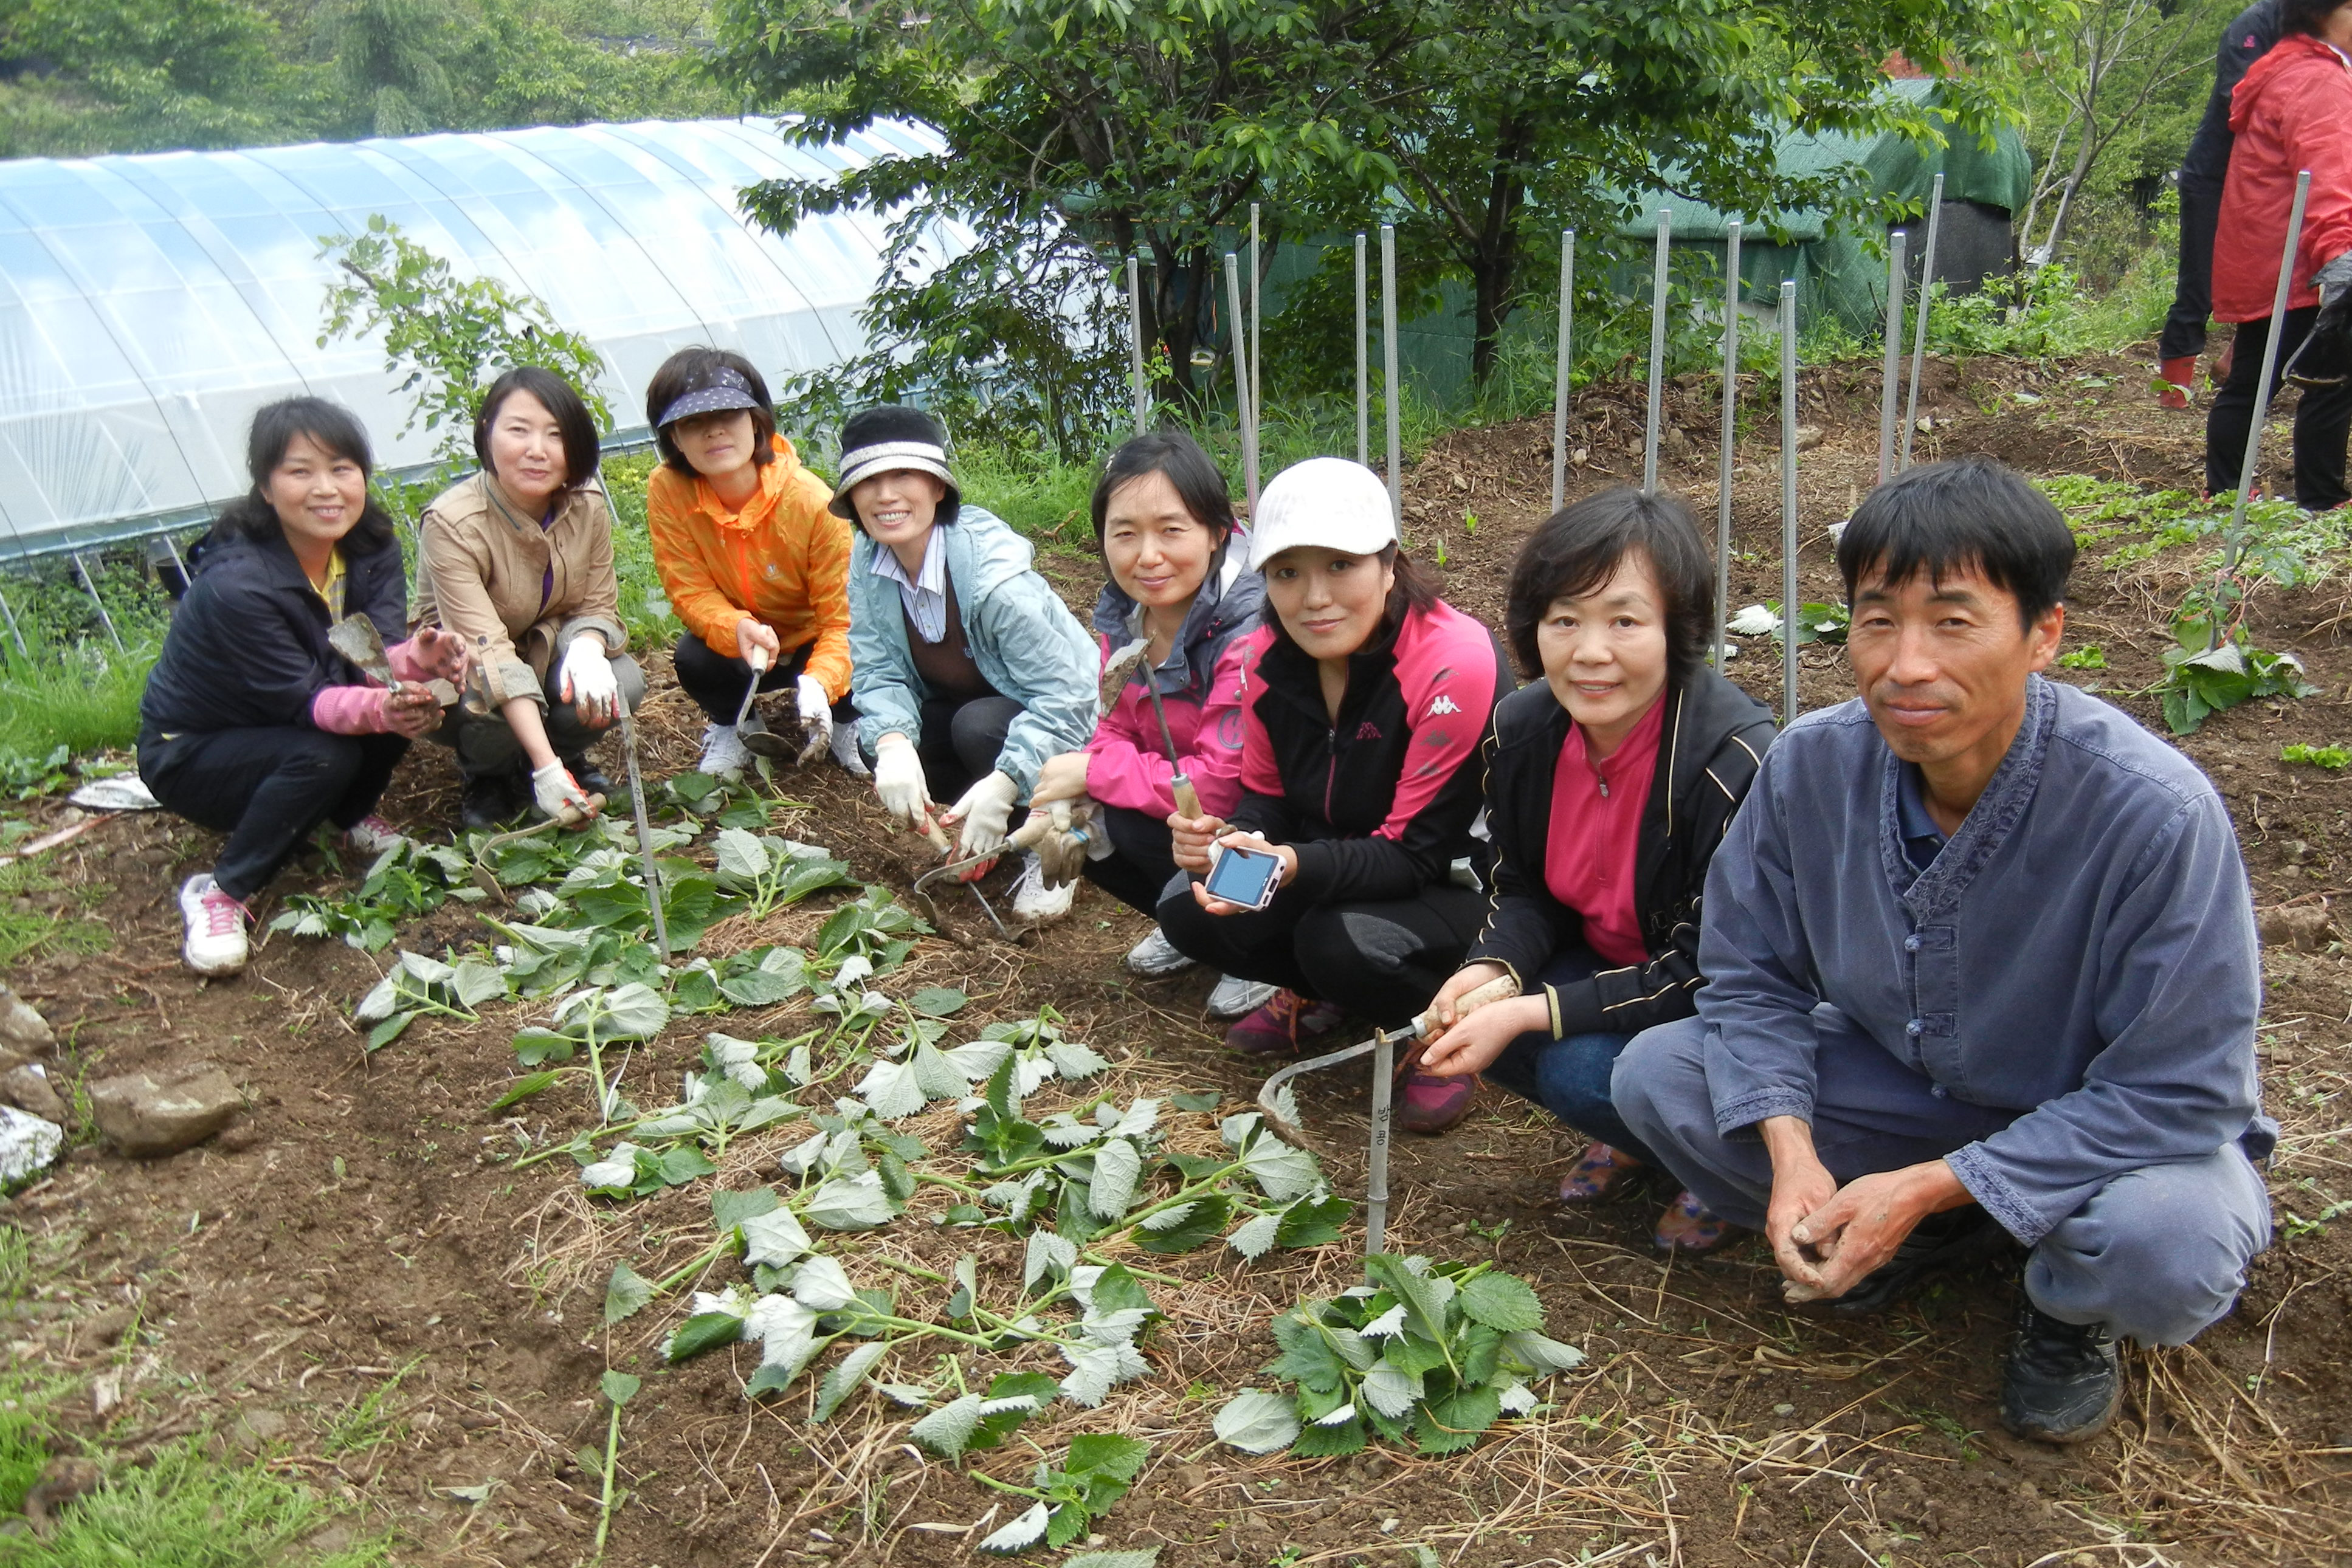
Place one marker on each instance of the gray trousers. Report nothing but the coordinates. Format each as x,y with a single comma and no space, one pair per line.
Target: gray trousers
2157,1253
486,743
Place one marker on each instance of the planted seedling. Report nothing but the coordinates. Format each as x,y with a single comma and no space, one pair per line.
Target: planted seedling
1096,1471
592,1019
2332,757
406,880
618,1388
771,873
417,985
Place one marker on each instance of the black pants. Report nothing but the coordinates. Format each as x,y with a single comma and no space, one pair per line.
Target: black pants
1380,960
267,789
486,744
960,742
2192,286
2322,419
1142,862
716,681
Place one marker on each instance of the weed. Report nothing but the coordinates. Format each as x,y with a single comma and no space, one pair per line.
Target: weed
367,1421
2332,757
2089,657
43,927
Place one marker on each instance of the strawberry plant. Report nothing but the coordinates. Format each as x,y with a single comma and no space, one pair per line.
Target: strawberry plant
416,985
408,880
1096,1471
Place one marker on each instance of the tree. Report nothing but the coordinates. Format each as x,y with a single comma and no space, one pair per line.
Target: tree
124,75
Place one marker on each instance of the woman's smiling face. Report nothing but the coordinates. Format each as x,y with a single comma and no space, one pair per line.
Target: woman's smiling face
1330,603
318,495
1604,651
526,447
1158,552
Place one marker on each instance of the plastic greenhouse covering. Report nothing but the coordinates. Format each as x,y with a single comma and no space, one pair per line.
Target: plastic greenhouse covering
149,304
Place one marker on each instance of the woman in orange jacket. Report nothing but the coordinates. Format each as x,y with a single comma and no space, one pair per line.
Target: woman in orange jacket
755,565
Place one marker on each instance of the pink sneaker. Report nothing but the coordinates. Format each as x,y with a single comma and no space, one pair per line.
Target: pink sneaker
216,942
1597,1175
370,835
1283,1025
1689,1225
1431,1103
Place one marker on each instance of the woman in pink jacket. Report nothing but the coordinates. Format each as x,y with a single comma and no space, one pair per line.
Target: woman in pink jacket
1164,522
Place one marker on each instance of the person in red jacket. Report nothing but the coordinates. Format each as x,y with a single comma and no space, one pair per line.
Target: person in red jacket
2292,113
1363,701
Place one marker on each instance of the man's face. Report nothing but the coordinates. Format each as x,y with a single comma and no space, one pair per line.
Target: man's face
1942,666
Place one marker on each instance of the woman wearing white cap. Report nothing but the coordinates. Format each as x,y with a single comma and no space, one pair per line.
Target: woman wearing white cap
968,673
1364,701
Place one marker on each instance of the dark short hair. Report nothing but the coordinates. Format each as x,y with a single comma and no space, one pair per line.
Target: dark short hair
1967,514
582,451
2304,15
275,425
1578,549
1191,472
691,368
1414,589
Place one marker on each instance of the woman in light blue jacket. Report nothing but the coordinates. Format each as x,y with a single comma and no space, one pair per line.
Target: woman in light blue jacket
967,671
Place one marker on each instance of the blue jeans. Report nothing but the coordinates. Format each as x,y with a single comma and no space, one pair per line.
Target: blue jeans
1570,1078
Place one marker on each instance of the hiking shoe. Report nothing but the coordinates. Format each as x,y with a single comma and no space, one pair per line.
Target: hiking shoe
1431,1103
1156,955
1286,1022
1689,1225
1596,1176
2063,1380
845,752
1233,997
1032,900
1940,1241
372,835
491,801
588,776
216,942
724,754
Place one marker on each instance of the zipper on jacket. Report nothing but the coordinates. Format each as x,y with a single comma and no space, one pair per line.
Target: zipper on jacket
1330,768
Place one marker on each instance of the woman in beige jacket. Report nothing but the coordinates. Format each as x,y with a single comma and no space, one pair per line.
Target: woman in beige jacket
518,560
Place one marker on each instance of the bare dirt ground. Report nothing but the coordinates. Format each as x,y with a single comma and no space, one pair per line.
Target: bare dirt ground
357,1237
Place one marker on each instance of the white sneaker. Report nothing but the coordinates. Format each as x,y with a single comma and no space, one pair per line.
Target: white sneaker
372,836
1032,900
1156,955
1236,997
723,751
845,752
216,942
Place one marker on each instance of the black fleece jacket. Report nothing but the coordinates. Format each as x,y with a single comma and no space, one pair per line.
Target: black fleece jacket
1715,738
248,648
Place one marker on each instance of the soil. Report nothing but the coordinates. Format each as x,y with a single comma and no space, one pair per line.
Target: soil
351,1284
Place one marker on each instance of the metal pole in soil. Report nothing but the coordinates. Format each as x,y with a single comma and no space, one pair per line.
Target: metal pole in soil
1135,342
1890,374
1559,377
15,631
90,588
1243,418
1657,355
1363,364
1919,329
1788,501
1390,391
1257,400
1730,433
2253,463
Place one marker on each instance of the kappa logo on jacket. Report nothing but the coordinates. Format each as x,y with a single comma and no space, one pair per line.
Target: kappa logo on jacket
1368,730
1443,704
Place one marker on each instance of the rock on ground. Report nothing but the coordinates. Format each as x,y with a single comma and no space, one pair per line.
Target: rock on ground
28,1089
28,1144
22,1027
149,1114
2304,927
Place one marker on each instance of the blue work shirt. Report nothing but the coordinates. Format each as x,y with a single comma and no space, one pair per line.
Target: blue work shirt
2081,953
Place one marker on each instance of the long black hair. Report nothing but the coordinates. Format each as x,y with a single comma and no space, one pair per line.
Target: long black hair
2305,15
275,425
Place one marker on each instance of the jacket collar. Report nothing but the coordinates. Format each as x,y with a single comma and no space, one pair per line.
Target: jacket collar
1937,892
1702,713
1228,596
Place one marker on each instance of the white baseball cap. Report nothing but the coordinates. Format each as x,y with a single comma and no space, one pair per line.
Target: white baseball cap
1325,501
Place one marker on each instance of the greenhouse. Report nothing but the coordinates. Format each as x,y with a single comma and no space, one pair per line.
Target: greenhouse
149,304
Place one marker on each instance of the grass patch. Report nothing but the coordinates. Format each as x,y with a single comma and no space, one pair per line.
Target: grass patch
25,932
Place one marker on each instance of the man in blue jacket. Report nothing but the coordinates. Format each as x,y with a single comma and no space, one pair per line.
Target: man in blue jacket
1981,963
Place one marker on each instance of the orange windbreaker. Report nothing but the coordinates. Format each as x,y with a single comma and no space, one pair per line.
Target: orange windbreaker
784,558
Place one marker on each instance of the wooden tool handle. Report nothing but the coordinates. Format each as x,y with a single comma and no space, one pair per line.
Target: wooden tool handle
1501,989
1188,801
937,834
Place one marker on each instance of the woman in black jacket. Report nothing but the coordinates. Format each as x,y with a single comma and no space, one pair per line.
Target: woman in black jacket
251,725
1608,783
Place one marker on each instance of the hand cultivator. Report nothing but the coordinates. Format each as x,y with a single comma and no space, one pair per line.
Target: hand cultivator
1281,1110
1059,833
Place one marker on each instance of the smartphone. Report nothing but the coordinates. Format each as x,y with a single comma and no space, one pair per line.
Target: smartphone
1247,877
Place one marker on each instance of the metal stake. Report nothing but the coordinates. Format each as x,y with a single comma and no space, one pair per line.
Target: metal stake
1376,1182
1788,501
2252,464
90,588
1363,371
1390,391
1657,356
1919,331
1560,372
645,834
1257,401
15,631
1890,375
1243,413
1730,432
1135,341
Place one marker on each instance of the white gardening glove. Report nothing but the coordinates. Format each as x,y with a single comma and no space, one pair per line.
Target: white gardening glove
986,811
554,790
586,681
816,718
899,780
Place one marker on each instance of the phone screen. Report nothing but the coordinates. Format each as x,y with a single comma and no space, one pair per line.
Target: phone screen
1245,877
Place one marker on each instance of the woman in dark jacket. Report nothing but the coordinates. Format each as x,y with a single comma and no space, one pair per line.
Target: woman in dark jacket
1363,698
251,725
1608,783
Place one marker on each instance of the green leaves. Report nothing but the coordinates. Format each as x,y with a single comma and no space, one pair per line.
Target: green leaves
625,1294
1096,1471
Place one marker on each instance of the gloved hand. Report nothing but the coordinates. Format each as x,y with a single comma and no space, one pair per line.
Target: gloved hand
585,680
2326,357
816,718
899,780
1062,853
984,811
554,790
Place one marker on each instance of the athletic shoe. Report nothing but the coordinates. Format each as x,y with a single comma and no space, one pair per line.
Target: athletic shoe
2176,382
845,750
1156,955
1233,997
216,942
1689,1225
372,835
490,801
1596,1176
1940,1241
1286,1023
2062,1382
1032,900
723,753
1432,1105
